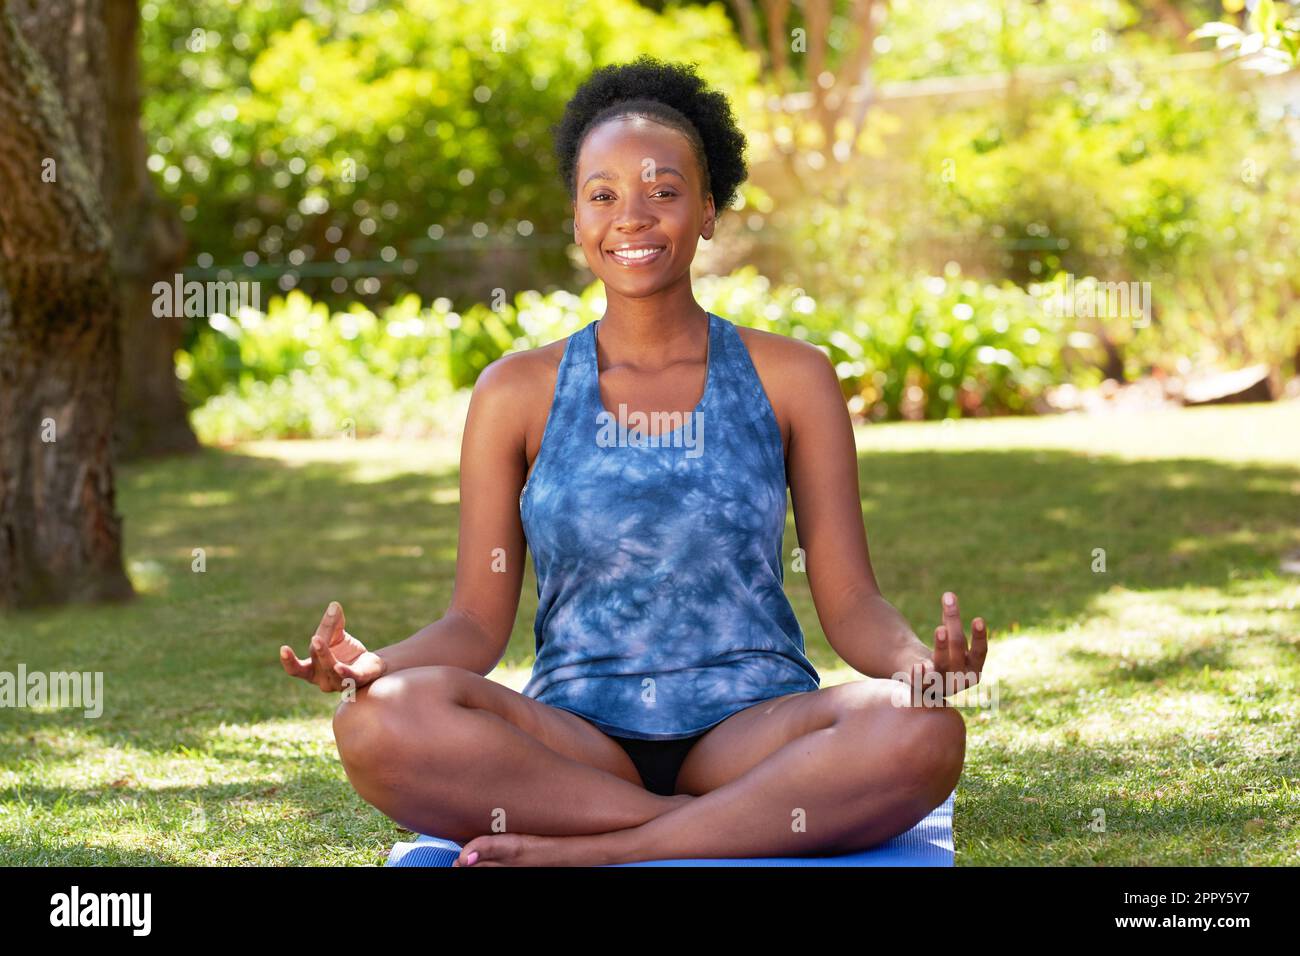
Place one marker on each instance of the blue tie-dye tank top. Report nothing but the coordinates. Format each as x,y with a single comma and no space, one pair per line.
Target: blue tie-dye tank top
661,610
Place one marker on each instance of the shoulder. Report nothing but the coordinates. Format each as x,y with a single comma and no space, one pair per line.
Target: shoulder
521,378
512,397
787,365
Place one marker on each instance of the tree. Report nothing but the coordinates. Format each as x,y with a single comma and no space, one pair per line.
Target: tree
60,536
149,246
828,76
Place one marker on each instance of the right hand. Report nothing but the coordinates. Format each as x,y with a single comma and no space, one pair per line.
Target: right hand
336,656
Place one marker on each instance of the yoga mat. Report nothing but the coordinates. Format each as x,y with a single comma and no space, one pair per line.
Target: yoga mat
929,843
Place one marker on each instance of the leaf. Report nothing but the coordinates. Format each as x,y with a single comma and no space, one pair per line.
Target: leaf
1251,45
1273,53
1216,28
1263,19
1269,66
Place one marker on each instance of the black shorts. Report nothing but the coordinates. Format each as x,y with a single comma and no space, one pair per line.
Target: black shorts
657,761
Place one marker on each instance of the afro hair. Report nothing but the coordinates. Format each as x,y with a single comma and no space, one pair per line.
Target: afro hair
671,94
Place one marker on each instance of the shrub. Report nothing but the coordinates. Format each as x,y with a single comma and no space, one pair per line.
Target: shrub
928,346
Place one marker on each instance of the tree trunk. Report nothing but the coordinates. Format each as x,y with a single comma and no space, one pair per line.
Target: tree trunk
149,246
60,535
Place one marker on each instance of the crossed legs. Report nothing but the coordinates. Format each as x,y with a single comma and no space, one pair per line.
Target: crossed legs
444,750
518,782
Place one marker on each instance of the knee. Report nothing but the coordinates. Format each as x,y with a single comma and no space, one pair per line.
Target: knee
375,726
932,753
923,748
363,726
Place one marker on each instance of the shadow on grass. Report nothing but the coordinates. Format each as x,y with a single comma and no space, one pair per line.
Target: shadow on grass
1169,667
1036,804
313,801
1014,533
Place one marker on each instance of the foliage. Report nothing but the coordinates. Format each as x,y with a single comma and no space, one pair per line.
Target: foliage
921,39
404,344
1182,182
921,347
931,346
1271,43
354,140
298,371
351,141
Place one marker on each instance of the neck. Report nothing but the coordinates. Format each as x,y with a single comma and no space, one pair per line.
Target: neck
652,333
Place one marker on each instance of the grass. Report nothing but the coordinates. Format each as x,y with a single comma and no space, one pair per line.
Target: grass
1146,714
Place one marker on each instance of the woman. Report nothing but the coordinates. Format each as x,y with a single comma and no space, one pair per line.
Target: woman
671,710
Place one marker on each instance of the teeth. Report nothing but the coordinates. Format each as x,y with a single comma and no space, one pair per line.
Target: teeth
635,253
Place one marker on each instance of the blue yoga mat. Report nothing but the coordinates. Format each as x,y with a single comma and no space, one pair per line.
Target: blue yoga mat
929,843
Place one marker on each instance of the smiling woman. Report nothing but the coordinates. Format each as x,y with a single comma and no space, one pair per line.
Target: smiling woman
672,711
650,158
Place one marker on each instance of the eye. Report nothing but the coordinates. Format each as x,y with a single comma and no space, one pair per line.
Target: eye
665,192
598,195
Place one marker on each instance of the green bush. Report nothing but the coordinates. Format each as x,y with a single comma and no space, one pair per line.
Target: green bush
316,404
920,347
348,139
1185,182
929,346
405,344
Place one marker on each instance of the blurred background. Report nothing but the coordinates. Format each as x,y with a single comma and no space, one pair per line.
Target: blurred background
915,169
949,198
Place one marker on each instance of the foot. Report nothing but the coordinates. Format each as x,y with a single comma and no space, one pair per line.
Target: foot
529,849
517,849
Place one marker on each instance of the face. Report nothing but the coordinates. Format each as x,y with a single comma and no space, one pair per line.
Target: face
639,212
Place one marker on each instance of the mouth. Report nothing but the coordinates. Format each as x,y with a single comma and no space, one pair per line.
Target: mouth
637,256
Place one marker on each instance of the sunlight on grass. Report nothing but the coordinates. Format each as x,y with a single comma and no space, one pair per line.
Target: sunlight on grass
368,461
1158,693
1266,432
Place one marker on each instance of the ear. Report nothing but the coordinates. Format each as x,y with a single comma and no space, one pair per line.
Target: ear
710,219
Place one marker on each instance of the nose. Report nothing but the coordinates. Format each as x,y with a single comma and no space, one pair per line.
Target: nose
633,214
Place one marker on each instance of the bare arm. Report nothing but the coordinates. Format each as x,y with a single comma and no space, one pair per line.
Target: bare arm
868,632
474,631
455,638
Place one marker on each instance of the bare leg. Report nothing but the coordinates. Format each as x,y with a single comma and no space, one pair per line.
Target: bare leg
869,772
444,750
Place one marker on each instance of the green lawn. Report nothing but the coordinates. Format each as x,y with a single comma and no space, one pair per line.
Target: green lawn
1161,692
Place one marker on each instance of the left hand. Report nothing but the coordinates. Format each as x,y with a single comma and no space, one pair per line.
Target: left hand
957,666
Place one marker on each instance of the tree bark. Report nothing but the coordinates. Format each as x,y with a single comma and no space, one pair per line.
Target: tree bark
60,535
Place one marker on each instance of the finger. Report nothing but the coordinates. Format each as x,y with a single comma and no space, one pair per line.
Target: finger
941,649
931,677
292,664
347,671
979,644
331,621
339,624
914,672
927,679
956,636
326,678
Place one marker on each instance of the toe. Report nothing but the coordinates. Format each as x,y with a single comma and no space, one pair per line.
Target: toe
471,852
